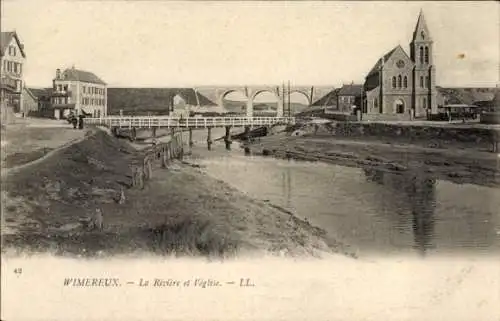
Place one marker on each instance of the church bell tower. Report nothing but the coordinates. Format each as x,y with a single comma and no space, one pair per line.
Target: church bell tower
424,73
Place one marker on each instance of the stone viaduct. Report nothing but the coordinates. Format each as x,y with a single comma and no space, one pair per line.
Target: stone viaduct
216,94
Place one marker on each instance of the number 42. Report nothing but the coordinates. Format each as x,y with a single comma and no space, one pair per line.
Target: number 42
18,271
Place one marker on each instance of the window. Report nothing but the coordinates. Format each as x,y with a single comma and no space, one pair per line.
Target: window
421,55
375,103
426,54
421,81
399,81
424,103
394,82
20,68
82,101
427,85
83,87
405,82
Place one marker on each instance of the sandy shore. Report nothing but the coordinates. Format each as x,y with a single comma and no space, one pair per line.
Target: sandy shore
456,165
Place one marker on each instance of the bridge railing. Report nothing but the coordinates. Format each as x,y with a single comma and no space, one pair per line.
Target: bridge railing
188,122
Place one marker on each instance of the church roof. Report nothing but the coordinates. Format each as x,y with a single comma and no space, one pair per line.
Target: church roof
384,58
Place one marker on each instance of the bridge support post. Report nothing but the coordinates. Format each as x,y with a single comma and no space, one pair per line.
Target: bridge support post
133,134
153,132
191,137
247,133
209,138
227,138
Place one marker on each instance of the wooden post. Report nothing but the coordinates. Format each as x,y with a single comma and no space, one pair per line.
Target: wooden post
122,197
209,138
191,137
145,170
150,169
133,134
163,157
227,137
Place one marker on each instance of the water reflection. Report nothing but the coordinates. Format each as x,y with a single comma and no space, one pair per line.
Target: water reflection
376,212
419,190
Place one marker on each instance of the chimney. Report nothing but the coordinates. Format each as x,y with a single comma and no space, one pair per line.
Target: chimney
58,73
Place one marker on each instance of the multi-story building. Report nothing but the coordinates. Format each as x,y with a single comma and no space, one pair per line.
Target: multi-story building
404,85
12,58
78,91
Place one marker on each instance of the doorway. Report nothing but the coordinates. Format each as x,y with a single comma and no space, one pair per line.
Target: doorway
399,106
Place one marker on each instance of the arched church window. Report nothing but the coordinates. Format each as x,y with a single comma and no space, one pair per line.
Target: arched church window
405,82
421,81
394,82
421,56
426,55
399,81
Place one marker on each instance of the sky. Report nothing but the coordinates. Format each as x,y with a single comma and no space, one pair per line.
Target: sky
195,43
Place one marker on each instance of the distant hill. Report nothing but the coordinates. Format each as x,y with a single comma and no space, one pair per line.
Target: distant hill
141,101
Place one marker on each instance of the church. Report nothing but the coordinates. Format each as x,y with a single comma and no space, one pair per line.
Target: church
402,86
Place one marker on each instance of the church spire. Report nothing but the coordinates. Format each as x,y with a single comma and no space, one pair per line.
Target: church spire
421,33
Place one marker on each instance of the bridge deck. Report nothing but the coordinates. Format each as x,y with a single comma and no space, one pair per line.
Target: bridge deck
188,122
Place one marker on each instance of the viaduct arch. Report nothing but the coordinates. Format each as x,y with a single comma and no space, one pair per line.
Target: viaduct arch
250,92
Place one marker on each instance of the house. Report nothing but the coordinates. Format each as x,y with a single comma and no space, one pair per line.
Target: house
349,96
43,96
12,59
80,92
403,86
29,101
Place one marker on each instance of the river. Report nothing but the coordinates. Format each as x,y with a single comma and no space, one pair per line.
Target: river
375,212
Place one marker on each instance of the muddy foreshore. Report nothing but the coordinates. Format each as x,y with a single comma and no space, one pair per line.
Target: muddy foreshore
180,211
455,165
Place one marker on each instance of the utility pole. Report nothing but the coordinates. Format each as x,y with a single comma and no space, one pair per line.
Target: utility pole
283,96
289,111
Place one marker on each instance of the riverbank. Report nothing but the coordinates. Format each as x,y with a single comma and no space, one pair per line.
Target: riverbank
180,211
452,164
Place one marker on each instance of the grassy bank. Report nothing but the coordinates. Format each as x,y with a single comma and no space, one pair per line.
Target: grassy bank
180,211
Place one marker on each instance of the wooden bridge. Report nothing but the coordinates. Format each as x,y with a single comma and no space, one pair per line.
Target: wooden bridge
188,122
134,123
